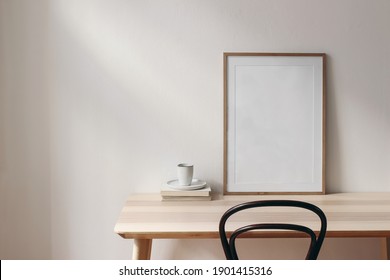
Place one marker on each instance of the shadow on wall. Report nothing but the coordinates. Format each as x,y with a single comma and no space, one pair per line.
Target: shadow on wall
24,132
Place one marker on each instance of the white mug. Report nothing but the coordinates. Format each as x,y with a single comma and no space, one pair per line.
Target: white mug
185,172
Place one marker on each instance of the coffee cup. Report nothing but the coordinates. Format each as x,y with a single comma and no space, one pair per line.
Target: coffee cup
185,173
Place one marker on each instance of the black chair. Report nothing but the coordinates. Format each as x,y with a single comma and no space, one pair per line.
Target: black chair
229,246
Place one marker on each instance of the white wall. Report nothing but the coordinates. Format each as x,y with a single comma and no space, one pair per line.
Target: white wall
100,99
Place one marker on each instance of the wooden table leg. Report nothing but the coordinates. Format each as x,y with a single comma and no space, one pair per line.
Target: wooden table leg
386,248
142,249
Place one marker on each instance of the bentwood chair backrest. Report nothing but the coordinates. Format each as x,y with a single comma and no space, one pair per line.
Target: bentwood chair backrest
316,240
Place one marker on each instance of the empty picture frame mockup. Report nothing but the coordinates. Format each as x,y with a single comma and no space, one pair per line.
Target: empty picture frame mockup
274,123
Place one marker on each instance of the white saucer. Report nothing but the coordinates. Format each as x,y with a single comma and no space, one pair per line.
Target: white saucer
195,185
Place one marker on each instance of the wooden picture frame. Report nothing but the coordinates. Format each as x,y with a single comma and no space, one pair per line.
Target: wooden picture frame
274,123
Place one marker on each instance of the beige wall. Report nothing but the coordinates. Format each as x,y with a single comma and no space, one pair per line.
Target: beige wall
100,99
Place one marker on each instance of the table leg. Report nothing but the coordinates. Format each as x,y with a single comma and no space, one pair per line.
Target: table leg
386,248
142,249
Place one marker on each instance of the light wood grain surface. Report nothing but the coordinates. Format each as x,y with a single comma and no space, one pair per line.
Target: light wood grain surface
349,215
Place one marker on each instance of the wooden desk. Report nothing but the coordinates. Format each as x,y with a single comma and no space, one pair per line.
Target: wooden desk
145,217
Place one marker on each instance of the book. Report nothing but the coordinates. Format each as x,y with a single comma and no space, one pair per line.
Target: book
167,191
185,198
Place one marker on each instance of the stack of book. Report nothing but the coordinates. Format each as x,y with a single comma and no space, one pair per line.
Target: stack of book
170,194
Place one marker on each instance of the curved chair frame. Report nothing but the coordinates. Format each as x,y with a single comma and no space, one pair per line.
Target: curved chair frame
229,246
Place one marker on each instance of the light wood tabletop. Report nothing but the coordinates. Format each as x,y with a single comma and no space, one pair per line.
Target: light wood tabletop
145,217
